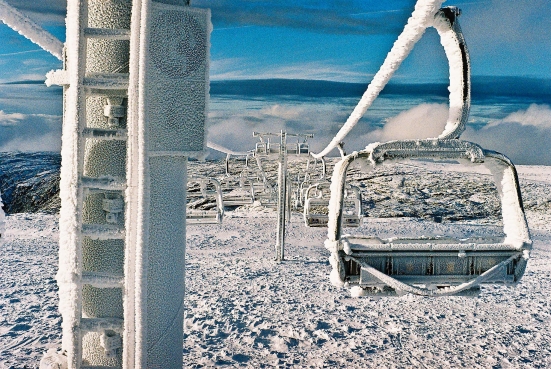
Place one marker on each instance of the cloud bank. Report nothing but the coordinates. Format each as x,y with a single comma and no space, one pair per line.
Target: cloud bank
21,132
523,135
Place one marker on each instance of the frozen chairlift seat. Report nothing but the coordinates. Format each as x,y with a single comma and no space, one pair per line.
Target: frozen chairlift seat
429,266
312,175
200,190
271,150
316,212
237,190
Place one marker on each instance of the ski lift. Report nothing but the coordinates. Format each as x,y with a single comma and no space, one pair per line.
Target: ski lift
429,266
201,209
237,190
316,206
268,149
312,175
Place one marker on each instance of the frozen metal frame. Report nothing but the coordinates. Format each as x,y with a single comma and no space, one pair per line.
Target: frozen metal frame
267,149
429,266
213,216
318,195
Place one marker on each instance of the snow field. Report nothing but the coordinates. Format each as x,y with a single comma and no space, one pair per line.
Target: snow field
245,310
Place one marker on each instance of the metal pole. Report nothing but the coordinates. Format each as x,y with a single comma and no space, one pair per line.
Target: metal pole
282,198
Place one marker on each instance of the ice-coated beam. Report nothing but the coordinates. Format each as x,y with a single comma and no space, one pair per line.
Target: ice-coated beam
167,99
29,29
222,149
451,38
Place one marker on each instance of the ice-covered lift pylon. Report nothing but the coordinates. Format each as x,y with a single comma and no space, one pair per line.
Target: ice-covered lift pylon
135,84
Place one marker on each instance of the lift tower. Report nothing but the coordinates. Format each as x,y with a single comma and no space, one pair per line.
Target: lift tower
135,84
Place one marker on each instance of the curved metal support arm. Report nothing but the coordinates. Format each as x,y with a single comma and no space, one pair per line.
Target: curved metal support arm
505,176
451,37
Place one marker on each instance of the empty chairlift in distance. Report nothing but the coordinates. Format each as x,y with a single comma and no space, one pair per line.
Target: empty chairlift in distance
423,265
237,190
271,150
316,206
204,201
316,171
236,186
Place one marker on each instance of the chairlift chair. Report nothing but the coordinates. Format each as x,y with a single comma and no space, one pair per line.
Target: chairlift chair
236,170
430,266
267,148
237,190
271,150
310,178
201,192
316,212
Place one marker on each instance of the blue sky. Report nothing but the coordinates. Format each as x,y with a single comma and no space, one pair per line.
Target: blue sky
331,40
343,41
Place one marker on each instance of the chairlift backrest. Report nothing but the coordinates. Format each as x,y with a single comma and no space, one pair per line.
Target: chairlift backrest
429,266
237,190
292,149
316,205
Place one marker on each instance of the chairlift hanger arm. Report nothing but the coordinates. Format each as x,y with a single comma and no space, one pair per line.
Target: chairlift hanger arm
426,14
224,150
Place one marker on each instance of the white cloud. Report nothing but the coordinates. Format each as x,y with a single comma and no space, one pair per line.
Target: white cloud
523,136
283,112
536,115
21,132
233,127
46,142
10,119
328,70
422,121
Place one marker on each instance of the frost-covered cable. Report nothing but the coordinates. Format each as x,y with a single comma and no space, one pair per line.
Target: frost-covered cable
421,18
222,149
26,27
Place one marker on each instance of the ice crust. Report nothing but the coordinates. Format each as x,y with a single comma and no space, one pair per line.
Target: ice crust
29,29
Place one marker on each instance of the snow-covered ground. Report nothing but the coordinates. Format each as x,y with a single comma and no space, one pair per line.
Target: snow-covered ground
245,310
